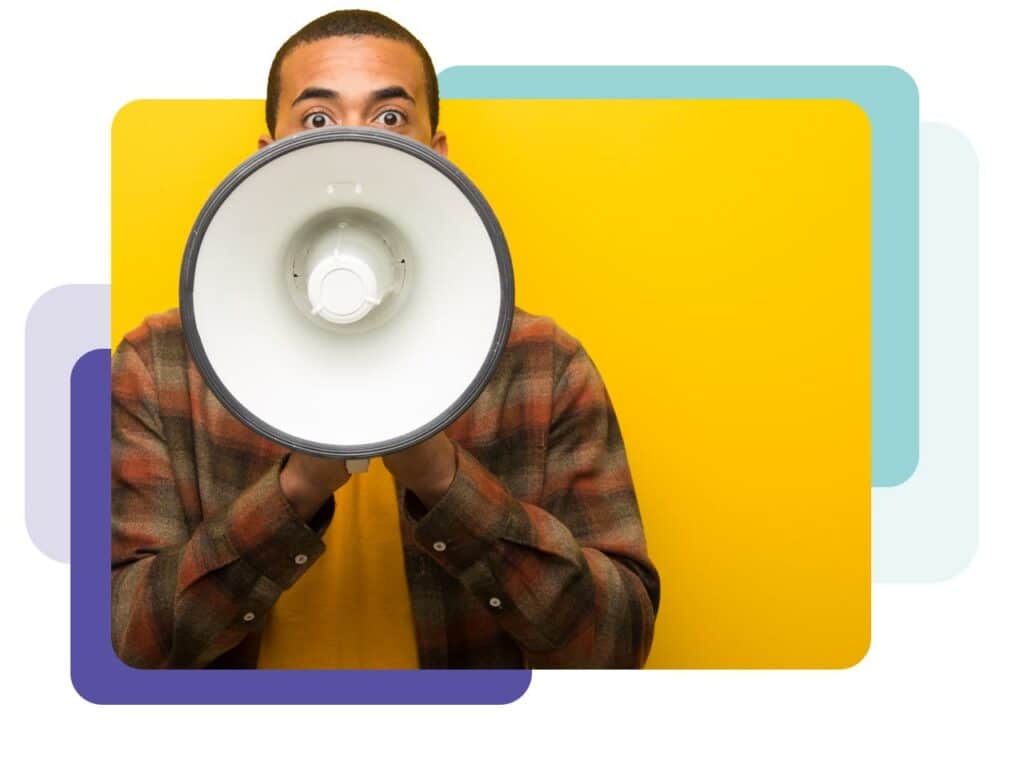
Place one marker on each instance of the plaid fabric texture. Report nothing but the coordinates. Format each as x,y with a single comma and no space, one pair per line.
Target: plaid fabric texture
545,563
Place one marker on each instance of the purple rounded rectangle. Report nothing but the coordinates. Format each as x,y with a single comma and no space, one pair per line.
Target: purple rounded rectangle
101,677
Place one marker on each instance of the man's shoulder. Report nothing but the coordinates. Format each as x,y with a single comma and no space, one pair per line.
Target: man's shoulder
155,329
158,342
529,331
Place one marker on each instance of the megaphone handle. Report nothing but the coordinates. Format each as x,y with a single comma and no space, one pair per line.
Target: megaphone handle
354,466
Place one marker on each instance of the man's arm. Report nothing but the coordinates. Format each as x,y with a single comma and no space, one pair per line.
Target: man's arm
186,589
569,579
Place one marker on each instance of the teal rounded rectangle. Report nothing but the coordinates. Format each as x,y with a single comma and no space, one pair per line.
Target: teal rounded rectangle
889,97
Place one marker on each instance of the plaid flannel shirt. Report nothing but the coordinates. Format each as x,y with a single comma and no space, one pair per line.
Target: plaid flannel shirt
545,563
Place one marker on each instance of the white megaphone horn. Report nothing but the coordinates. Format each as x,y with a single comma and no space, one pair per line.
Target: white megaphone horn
346,292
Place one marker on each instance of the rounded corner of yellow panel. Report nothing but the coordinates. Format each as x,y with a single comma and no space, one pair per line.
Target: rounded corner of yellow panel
856,112
857,653
126,111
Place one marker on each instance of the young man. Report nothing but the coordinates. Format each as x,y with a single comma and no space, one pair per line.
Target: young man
514,537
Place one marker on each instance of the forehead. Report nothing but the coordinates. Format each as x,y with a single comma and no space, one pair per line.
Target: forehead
352,64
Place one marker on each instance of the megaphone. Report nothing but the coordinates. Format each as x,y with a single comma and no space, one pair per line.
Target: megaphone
346,292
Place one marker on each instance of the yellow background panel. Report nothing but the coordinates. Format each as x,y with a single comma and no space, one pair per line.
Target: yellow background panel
714,258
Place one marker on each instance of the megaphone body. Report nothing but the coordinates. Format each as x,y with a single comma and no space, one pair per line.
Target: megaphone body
346,292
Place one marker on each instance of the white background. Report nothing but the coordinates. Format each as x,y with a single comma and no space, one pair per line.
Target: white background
941,684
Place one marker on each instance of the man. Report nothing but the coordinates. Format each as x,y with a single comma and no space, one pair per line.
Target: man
514,537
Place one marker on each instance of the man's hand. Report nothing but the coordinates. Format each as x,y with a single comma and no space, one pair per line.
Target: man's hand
308,481
426,469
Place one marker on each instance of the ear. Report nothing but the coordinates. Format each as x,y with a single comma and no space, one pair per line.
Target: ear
440,143
264,141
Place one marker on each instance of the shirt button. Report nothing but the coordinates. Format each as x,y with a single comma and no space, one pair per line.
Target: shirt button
300,559
440,546
249,616
494,602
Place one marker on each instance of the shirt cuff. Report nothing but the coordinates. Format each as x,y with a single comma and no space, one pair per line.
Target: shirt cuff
464,524
270,536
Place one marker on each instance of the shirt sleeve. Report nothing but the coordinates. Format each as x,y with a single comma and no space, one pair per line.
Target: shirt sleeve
570,580
183,594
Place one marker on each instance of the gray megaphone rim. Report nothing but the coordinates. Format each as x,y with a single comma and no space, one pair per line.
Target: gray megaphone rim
307,139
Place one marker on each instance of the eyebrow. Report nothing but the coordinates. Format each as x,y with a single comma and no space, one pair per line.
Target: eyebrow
315,92
391,92
319,92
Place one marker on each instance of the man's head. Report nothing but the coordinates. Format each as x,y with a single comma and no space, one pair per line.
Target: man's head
354,68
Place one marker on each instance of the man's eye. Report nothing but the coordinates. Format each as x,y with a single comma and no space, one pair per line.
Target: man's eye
392,118
317,120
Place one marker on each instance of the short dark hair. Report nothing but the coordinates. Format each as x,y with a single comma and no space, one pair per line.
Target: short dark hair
350,23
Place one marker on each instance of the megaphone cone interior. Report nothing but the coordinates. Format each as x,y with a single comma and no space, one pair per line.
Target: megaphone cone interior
346,292
346,264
